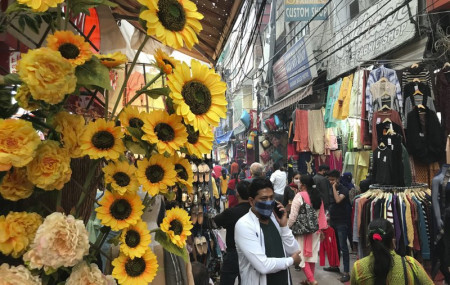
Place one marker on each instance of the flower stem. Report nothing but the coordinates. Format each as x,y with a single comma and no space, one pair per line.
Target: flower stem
147,37
106,104
67,15
87,183
104,231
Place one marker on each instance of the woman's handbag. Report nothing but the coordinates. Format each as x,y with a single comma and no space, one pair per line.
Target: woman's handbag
307,221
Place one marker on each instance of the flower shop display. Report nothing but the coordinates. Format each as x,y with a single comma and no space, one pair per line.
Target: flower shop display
43,237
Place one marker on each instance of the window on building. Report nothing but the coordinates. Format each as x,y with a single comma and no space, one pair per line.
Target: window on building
354,9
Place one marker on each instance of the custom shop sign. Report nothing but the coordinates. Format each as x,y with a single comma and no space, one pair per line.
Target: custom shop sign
293,69
394,31
304,10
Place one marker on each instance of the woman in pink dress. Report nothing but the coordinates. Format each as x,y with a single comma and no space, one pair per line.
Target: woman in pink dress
309,243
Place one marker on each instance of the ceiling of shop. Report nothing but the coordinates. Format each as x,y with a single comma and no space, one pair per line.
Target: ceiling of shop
219,18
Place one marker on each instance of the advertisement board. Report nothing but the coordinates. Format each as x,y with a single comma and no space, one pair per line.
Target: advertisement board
304,10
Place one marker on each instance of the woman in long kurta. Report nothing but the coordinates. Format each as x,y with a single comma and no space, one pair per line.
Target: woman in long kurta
309,243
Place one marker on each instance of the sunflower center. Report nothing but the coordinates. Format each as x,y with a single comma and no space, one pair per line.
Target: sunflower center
166,61
181,171
103,140
176,226
192,135
136,123
171,14
154,173
133,238
122,179
135,267
120,209
69,51
164,132
197,97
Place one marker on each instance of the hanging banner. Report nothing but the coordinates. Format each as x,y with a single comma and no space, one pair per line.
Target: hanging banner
392,32
304,10
293,69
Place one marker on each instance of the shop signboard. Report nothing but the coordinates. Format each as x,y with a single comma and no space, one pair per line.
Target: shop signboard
293,69
347,53
304,10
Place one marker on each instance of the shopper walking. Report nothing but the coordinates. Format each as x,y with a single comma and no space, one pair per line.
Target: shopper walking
264,243
228,219
383,265
309,243
279,180
340,216
323,185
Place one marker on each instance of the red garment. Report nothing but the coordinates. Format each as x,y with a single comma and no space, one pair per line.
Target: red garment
309,271
329,247
321,159
217,170
336,160
322,221
301,130
232,201
234,168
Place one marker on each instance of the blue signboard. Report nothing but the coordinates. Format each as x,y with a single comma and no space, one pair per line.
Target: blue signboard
292,70
304,10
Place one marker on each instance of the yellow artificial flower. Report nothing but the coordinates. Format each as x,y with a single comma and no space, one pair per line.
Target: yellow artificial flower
23,97
177,225
119,212
72,47
172,21
121,176
18,143
102,139
164,62
164,130
40,5
131,117
135,271
15,185
71,127
112,60
185,176
156,174
17,231
135,240
198,96
49,76
50,168
199,144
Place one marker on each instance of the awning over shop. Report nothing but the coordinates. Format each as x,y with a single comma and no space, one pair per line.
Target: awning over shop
291,99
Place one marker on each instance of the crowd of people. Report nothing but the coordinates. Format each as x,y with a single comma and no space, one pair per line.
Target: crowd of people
273,223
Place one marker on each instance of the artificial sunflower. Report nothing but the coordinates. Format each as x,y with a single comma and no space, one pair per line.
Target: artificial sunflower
199,144
164,130
172,21
135,271
131,117
112,60
177,225
183,168
164,62
41,5
198,96
119,212
156,174
102,139
135,240
121,177
72,47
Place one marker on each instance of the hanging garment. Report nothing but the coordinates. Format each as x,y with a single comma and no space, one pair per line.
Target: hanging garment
374,76
357,92
342,104
380,117
301,130
366,138
316,131
306,163
330,141
443,97
412,100
420,72
362,163
427,144
328,247
333,94
336,160
349,162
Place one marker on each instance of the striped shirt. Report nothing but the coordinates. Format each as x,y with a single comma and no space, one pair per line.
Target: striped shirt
420,73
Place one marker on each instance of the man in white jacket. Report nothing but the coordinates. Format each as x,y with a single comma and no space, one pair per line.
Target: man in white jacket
265,245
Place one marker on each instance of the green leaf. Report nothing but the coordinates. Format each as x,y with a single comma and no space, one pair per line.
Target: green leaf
156,92
165,242
135,147
15,7
22,22
12,78
135,132
93,73
31,23
8,111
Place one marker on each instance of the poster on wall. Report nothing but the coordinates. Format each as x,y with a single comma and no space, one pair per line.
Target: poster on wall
351,46
305,10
